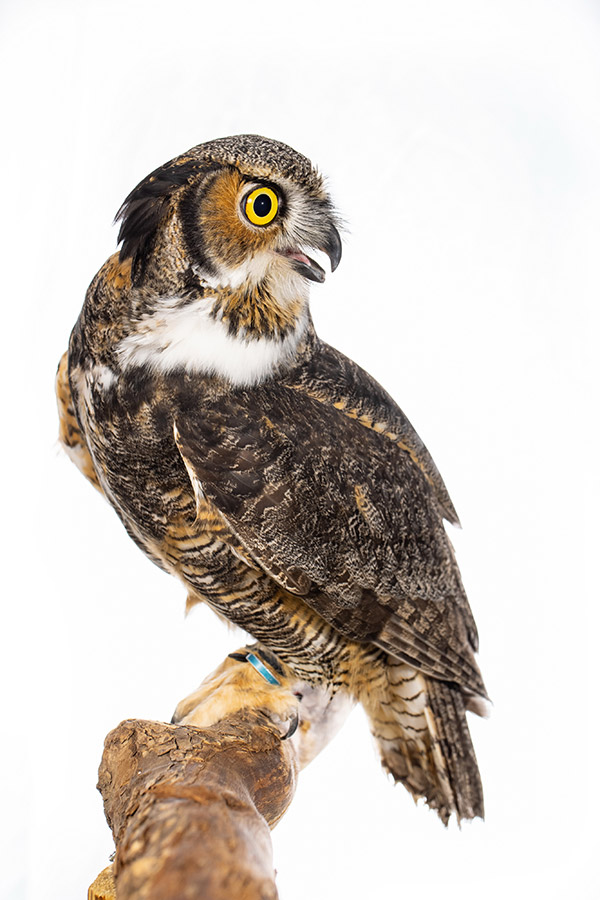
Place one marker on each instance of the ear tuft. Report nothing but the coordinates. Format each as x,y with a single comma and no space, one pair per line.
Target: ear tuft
143,210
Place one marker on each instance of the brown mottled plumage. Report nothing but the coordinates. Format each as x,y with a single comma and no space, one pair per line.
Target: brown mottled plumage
267,471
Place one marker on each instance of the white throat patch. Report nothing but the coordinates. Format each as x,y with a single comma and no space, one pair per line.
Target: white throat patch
184,335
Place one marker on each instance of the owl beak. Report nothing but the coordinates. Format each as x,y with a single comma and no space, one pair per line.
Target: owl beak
310,269
333,247
306,266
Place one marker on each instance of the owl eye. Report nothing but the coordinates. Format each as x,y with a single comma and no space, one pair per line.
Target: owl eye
261,206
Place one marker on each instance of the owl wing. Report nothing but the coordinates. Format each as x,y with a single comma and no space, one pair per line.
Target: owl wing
69,434
330,377
338,512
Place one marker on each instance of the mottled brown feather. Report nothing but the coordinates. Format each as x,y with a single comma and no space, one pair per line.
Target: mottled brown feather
305,509
284,470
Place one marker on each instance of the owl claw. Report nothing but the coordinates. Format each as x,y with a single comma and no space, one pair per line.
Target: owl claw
286,722
242,681
295,718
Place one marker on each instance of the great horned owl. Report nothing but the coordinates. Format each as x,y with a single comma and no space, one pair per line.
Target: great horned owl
266,470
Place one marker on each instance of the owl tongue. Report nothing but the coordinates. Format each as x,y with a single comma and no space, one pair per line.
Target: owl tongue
295,254
306,266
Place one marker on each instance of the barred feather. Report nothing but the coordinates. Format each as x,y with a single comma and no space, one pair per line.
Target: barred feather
420,730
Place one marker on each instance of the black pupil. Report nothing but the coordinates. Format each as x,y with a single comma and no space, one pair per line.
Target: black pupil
262,205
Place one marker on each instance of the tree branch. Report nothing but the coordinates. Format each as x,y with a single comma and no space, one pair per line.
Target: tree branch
190,805
190,809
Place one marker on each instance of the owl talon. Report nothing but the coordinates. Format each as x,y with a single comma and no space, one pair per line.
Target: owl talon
293,726
243,681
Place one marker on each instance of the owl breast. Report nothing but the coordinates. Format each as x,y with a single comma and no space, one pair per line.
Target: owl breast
197,337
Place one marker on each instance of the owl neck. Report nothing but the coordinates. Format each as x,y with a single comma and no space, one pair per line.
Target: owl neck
244,335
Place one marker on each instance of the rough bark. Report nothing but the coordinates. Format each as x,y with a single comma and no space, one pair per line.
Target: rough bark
103,888
190,809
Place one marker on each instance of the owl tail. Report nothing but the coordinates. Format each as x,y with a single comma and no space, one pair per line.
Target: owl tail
421,731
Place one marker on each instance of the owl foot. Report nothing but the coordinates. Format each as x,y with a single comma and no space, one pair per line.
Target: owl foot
246,679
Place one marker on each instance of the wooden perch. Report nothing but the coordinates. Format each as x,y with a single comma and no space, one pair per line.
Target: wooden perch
190,804
190,809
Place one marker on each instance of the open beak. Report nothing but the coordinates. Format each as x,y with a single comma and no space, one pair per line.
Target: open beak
310,269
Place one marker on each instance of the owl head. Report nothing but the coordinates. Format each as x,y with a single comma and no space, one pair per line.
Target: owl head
218,245
232,212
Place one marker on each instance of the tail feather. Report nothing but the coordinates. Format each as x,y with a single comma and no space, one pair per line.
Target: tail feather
447,704
420,728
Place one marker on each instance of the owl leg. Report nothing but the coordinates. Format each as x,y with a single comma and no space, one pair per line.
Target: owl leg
421,733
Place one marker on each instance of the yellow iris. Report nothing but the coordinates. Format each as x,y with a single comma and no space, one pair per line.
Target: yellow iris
261,206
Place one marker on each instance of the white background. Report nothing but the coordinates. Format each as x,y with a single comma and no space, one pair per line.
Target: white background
461,141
